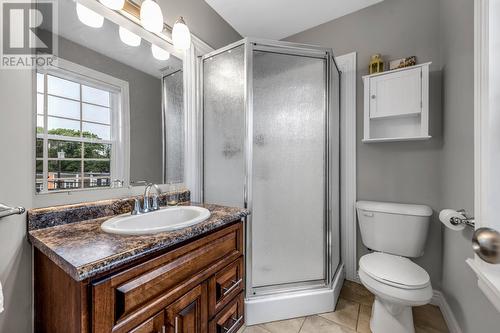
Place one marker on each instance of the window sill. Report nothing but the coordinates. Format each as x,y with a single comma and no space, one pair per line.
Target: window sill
488,279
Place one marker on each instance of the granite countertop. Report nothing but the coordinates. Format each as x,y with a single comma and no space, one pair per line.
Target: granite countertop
83,250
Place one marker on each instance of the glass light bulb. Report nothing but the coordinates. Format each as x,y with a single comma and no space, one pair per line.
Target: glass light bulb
129,37
181,37
113,4
159,53
151,16
89,17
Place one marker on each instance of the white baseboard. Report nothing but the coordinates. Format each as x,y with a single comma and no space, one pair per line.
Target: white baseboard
338,282
439,300
264,309
355,278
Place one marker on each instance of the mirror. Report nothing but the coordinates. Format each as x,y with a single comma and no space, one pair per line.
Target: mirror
110,110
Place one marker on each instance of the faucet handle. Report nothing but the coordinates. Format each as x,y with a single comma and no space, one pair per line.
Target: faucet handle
137,207
155,205
146,206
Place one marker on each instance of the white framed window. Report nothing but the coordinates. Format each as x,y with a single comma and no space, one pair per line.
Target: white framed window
82,131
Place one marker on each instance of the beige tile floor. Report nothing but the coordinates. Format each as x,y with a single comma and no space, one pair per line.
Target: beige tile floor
351,315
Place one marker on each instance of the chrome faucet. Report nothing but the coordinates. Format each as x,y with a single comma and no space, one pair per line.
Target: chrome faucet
147,205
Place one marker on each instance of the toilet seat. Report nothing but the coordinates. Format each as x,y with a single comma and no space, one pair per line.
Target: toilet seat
396,279
396,271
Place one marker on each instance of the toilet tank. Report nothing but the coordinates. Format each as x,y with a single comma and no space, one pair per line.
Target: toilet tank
394,228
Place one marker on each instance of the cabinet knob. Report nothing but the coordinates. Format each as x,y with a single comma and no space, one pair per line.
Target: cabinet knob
373,96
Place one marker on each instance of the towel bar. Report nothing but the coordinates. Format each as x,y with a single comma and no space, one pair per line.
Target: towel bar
7,211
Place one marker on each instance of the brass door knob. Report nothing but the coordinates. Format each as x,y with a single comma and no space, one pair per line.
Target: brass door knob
486,244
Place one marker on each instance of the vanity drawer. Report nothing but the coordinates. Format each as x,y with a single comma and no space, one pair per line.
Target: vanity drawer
230,319
124,299
225,285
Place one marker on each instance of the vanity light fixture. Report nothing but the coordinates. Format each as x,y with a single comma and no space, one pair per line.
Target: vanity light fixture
89,17
159,53
129,37
151,16
113,4
181,36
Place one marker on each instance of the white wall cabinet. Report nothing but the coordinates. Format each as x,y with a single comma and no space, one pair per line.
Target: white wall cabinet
397,105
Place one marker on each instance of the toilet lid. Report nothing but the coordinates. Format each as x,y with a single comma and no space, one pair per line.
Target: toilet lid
394,270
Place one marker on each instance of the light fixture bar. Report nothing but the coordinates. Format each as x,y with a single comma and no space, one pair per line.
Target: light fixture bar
134,9
129,18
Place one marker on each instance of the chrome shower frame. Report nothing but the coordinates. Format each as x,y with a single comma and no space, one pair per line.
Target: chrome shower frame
332,155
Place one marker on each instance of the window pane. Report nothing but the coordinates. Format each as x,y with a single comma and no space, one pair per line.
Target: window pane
97,150
65,127
65,169
95,96
39,176
96,182
96,168
39,82
95,113
63,184
64,174
39,124
96,131
39,103
39,148
63,107
64,149
39,169
62,87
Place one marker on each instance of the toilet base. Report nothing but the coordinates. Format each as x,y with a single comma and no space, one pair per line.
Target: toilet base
391,317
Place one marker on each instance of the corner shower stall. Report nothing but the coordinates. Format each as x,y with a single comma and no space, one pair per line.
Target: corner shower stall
271,144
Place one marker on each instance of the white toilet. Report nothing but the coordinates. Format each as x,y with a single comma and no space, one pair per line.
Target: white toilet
394,232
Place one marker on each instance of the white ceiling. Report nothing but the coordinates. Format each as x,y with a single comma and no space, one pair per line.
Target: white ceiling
277,19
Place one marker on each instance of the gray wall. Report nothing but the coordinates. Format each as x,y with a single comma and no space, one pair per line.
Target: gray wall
406,171
16,188
440,172
470,306
16,169
202,20
145,108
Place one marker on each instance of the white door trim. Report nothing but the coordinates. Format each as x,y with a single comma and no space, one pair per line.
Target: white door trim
347,65
193,119
486,102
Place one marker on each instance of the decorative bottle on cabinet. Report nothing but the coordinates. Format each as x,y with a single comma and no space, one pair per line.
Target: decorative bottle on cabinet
376,64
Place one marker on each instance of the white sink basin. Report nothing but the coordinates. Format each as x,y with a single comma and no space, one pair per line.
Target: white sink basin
165,219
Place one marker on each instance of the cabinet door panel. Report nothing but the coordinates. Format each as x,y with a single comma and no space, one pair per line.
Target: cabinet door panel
189,313
152,325
396,94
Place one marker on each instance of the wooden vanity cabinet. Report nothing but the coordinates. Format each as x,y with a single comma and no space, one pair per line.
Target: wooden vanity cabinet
189,313
155,324
194,288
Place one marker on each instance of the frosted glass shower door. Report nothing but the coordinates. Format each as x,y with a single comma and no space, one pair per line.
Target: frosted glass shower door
174,128
288,227
224,128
